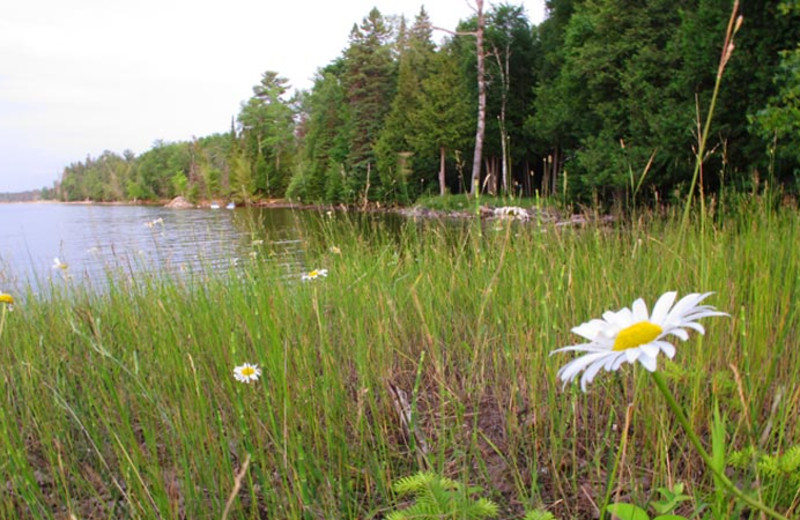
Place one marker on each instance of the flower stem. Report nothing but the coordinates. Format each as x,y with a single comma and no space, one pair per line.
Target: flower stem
2,319
695,440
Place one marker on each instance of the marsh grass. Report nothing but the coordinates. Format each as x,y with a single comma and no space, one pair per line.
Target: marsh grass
425,348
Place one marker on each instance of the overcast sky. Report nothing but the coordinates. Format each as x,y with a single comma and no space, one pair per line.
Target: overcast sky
80,77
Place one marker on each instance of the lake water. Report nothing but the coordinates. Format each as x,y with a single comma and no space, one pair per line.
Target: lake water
94,240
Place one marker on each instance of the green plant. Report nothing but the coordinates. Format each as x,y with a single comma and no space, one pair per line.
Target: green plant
779,474
664,508
671,498
439,497
632,512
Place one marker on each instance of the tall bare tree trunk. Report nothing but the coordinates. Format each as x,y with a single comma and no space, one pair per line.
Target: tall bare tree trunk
481,127
441,170
504,68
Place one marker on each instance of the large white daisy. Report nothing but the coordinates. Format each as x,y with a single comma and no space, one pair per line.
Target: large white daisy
630,335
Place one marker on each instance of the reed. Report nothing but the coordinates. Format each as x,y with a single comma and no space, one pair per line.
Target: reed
425,348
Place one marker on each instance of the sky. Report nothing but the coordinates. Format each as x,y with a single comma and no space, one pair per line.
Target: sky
84,76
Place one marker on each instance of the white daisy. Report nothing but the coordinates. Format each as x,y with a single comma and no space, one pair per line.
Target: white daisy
58,264
313,275
630,335
247,373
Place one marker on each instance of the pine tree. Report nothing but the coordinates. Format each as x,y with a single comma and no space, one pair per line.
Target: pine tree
327,132
267,122
369,81
442,119
394,152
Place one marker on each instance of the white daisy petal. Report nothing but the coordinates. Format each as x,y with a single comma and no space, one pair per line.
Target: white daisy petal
648,362
589,330
590,372
613,360
666,347
685,305
640,311
682,334
618,362
569,371
696,326
661,308
649,349
584,347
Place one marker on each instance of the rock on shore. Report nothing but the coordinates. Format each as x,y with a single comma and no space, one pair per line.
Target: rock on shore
179,203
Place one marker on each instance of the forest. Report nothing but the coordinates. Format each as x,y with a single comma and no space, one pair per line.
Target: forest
602,102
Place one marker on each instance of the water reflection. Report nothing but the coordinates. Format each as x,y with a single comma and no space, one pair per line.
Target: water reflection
97,240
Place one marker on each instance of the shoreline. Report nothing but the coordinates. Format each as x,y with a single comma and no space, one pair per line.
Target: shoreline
542,215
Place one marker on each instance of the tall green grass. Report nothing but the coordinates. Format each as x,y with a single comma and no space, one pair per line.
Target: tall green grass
425,347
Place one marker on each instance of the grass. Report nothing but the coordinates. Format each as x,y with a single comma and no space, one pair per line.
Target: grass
423,349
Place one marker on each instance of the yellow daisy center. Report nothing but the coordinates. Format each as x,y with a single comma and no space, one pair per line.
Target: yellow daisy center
636,335
248,371
313,274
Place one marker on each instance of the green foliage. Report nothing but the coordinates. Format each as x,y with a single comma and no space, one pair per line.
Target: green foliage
268,139
539,515
779,474
102,179
779,121
393,149
437,497
180,183
671,499
632,512
369,80
639,74
388,119
325,143
442,122
242,182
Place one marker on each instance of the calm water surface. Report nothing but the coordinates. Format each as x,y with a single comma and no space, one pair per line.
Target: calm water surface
94,240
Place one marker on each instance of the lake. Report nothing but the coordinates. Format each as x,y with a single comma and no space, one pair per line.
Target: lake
95,240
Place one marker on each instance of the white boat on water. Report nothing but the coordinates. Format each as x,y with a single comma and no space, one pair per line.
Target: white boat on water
214,205
230,205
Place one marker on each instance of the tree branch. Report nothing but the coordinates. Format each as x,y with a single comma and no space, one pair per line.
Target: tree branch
455,33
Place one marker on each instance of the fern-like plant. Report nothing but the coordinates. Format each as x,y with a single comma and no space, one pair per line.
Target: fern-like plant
437,498
779,474
539,515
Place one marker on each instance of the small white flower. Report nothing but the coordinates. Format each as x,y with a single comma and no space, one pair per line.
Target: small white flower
58,264
630,335
247,373
313,275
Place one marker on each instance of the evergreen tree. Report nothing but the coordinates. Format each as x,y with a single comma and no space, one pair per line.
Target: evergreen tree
267,122
327,117
369,81
442,120
394,152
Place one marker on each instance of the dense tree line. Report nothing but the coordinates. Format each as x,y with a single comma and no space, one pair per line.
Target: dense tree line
27,196
601,101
